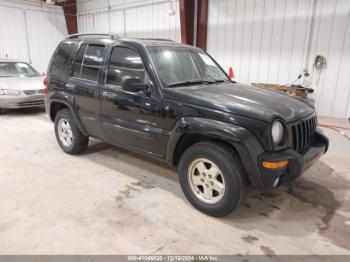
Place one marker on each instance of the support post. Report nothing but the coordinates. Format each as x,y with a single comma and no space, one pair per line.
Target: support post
187,21
194,23
202,24
70,14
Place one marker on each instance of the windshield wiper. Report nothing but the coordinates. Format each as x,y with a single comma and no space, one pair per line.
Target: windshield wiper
194,82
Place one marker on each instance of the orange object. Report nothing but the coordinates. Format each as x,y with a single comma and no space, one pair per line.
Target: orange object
275,165
230,73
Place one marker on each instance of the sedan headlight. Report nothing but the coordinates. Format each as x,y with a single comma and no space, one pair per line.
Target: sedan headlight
277,132
10,92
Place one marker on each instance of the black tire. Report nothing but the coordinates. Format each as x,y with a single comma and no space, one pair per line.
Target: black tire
229,163
79,142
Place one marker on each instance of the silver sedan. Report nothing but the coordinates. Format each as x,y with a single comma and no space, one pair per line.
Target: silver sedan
21,86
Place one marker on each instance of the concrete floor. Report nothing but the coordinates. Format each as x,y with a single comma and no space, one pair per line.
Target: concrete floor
109,201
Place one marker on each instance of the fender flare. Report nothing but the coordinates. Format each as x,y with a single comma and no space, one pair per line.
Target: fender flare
69,101
246,144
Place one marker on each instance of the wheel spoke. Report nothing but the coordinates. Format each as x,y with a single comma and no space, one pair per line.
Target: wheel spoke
201,168
213,171
208,193
218,187
197,180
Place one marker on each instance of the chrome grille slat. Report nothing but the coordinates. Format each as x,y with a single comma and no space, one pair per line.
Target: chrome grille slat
33,92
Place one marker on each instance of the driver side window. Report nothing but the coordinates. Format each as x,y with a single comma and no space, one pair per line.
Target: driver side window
124,62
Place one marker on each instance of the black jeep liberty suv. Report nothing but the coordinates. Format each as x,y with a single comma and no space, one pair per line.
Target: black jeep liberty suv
173,102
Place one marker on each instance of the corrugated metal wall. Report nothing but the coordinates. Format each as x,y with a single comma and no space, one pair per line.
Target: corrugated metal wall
44,26
131,18
267,41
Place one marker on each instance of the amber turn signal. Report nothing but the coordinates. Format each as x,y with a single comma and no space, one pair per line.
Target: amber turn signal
275,165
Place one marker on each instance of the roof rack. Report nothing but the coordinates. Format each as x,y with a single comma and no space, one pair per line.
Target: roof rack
157,39
113,36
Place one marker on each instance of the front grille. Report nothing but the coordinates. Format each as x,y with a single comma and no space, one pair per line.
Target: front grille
33,92
303,133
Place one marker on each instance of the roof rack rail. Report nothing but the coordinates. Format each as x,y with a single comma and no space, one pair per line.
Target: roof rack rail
113,36
157,39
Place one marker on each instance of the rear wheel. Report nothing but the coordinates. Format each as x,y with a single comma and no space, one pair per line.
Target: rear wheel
68,135
212,178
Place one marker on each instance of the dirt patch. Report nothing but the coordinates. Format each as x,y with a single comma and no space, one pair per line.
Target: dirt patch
333,226
249,239
127,192
315,194
275,207
143,185
267,250
269,194
7,225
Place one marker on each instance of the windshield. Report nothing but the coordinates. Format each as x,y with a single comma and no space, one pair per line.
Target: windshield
13,69
178,66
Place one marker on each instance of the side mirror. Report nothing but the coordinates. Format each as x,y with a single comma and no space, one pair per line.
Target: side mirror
134,84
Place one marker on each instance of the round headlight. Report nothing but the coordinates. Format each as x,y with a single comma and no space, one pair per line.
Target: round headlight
277,131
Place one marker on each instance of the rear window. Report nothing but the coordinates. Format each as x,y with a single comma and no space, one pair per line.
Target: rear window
88,62
62,60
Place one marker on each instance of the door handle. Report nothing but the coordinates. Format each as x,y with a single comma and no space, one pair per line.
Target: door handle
109,95
70,85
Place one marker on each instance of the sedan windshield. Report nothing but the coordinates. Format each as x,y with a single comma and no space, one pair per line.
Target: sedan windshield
179,66
13,69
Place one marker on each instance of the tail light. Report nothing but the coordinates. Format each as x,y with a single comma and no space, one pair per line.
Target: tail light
46,88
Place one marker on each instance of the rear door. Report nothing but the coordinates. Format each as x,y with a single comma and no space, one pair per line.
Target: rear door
129,118
84,84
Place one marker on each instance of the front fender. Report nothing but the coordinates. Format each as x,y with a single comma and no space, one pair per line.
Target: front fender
70,102
245,143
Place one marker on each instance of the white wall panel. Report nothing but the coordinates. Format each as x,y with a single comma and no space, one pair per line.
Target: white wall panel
267,41
44,26
13,34
130,18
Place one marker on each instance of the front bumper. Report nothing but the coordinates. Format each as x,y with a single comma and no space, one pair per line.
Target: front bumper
21,101
298,162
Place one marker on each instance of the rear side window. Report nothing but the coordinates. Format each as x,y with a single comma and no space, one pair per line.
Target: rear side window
62,60
88,62
124,61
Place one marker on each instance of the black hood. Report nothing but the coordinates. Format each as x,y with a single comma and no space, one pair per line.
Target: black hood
243,100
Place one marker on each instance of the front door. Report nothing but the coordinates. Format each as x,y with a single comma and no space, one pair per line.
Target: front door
131,119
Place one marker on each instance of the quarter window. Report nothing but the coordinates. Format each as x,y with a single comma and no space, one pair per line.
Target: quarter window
62,60
124,62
